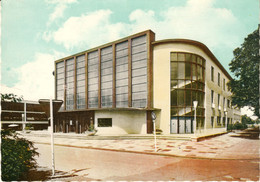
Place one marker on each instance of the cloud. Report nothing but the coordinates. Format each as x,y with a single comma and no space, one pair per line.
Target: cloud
249,111
197,20
89,29
35,78
59,9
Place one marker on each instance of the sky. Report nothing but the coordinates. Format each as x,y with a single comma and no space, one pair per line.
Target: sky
35,33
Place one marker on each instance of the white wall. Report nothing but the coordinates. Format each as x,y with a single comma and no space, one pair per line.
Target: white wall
123,122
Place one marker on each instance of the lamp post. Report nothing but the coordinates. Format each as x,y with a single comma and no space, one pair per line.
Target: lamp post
195,104
154,130
226,121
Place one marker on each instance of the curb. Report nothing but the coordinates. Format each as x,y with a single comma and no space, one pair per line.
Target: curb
147,153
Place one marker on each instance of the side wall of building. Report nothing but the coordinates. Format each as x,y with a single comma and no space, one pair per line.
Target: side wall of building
123,122
162,76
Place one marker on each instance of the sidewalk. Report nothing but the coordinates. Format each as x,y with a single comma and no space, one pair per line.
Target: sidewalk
219,147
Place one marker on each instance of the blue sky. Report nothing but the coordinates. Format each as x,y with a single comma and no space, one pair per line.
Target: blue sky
37,32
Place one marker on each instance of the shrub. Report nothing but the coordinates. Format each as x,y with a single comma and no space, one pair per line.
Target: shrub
237,126
17,156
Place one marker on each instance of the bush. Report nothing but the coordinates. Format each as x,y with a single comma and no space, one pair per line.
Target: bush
17,156
237,126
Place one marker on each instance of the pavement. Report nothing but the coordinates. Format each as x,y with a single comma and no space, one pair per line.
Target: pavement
224,146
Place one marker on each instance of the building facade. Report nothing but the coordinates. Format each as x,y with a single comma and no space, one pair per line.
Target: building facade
116,86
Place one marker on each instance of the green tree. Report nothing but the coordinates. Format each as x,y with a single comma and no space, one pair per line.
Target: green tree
245,66
247,120
18,156
11,98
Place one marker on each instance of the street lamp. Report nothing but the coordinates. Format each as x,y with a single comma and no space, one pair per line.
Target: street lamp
226,120
154,130
195,104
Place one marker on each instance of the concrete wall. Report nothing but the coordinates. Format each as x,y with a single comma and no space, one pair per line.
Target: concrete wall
161,85
123,122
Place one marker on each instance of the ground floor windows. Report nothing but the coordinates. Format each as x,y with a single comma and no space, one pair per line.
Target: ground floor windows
185,124
104,122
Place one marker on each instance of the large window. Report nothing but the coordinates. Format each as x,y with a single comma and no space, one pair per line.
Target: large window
60,82
122,74
106,76
139,72
80,62
93,79
187,85
70,84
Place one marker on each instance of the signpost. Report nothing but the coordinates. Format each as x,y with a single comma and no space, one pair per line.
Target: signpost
154,130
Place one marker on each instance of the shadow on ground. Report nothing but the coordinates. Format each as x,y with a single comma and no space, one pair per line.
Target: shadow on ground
250,133
45,174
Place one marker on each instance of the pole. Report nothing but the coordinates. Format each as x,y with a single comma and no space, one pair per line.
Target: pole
52,138
226,122
154,132
24,125
195,121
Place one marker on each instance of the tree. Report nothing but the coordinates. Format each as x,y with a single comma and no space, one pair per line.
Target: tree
11,98
18,156
245,66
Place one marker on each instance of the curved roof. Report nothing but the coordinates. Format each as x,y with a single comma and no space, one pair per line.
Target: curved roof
198,44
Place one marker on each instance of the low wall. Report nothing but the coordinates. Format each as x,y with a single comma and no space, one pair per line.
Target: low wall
123,122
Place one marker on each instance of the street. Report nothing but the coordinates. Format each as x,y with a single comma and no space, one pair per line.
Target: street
90,164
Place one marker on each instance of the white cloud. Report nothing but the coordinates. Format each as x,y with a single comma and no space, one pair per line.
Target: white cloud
89,29
249,112
35,78
197,20
59,9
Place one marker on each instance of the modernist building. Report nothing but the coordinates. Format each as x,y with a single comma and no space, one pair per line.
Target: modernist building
116,86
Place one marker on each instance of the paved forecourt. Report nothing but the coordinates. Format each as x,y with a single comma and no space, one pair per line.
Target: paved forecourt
220,147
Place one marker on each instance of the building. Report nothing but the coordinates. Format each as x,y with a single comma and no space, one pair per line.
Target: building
17,115
118,85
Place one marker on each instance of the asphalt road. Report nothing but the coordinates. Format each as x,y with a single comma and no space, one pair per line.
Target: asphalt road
89,164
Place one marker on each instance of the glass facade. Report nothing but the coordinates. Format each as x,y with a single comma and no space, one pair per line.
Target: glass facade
106,76
116,76
93,79
80,78
60,82
139,72
70,84
122,74
187,85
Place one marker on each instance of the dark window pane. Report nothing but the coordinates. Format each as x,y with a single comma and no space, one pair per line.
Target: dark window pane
181,57
187,70
104,122
174,98
188,57
173,56
188,98
180,95
174,70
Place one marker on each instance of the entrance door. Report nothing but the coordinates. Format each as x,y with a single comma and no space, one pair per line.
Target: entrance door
188,125
181,125
174,125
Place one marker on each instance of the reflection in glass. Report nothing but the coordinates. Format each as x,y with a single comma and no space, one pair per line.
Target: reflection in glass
187,85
